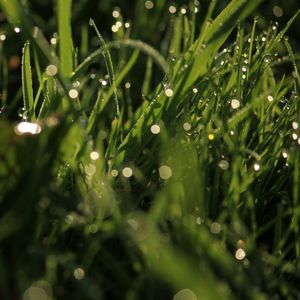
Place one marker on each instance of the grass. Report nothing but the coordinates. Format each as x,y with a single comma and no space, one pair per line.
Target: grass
168,172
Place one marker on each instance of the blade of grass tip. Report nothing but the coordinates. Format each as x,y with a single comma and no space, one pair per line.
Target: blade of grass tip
64,8
27,83
283,31
251,45
109,65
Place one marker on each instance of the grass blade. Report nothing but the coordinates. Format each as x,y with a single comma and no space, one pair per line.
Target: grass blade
27,83
65,37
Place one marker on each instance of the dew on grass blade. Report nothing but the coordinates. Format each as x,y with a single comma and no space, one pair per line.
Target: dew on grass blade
294,136
240,254
155,129
28,128
165,172
149,4
79,273
183,11
270,98
53,41
114,173
94,155
256,167
185,294
17,29
116,14
51,70
187,126
223,165
215,228
127,172
172,9
169,92
2,37
73,94
211,136
295,125
195,90
235,104
114,28
285,154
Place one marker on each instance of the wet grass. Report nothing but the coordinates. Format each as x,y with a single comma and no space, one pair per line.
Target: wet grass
115,187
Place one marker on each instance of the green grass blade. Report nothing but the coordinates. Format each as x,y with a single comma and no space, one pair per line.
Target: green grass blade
109,66
64,8
27,83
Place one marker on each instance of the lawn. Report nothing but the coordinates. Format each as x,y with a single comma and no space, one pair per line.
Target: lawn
149,150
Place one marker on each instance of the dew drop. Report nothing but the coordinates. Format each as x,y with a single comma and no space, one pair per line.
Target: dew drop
27,128
295,125
235,103
215,228
127,172
149,4
165,172
73,93
79,273
94,155
172,9
114,173
116,14
51,70
187,126
223,165
169,92
240,254
155,129
2,37
256,167
270,98
211,136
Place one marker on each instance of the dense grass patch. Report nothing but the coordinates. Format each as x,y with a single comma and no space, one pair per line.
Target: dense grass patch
150,172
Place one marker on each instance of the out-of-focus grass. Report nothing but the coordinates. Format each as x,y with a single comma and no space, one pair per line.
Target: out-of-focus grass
189,191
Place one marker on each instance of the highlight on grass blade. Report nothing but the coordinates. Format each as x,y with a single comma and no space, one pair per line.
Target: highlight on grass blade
27,83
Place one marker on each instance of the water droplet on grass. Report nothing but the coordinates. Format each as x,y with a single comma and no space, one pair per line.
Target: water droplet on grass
235,104
127,172
169,92
165,172
94,155
240,254
223,165
155,129
51,70
27,128
79,273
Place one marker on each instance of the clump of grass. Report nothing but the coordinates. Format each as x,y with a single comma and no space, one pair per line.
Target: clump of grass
190,191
